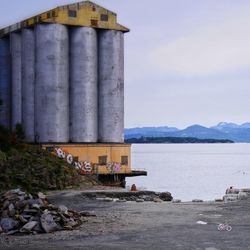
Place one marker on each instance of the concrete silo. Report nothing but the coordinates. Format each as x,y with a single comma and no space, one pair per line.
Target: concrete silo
83,85
16,79
52,83
28,83
5,82
66,87
111,86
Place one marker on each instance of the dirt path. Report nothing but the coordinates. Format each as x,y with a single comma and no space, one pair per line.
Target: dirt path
146,225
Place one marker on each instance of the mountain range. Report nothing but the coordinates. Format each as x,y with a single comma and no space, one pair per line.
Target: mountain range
223,130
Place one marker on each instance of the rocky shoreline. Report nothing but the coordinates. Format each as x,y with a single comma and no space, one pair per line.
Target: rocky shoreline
123,196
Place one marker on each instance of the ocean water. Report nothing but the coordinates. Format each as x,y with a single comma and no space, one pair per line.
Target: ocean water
192,171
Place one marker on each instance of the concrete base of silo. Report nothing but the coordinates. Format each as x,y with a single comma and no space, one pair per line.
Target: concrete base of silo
109,163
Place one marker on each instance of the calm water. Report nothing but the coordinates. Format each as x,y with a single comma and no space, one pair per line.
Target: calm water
192,171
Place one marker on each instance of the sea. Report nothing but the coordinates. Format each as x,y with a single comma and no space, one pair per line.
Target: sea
191,171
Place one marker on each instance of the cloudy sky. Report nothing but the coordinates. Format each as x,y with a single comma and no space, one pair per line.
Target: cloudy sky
186,61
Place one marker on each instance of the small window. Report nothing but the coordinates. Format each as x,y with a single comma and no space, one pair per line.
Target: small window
72,13
94,22
93,9
103,160
124,160
48,15
53,13
104,17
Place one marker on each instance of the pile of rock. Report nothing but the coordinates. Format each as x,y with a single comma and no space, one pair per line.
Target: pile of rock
234,194
22,213
123,196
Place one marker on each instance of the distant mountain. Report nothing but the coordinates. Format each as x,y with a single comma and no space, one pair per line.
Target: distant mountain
235,132
201,132
148,131
221,131
229,125
245,125
225,125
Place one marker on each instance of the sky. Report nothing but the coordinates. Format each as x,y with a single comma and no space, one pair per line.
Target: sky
186,61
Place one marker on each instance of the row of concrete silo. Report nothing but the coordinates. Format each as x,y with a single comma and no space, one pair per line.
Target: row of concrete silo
63,84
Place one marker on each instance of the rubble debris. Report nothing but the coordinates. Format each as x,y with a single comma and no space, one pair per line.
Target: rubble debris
21,213
123,196
165,196
234,194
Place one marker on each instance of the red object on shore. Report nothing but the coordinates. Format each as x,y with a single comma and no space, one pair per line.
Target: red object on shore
133,188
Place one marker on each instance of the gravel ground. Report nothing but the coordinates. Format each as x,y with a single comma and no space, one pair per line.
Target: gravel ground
145,225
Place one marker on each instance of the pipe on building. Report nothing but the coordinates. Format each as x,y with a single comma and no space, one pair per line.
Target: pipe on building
111,86
28,83
83,85
5,82
52,84
16,76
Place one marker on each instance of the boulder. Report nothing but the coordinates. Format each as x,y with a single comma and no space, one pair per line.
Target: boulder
165,196
8,224
232,190
41,195
139,200
230,197
108,199
242,195
63,209
156,199
48,223
218,200
11,209
29,226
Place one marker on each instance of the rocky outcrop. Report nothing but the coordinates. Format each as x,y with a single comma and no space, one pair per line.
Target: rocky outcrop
22,213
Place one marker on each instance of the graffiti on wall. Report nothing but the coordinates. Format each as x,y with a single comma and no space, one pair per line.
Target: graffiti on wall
86,166
113,167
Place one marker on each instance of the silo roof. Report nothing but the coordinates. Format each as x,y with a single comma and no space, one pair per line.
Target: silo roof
85,13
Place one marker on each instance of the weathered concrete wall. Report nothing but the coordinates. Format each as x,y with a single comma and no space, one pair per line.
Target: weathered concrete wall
28,83
52,83
16,76
83,85
111,86
5,82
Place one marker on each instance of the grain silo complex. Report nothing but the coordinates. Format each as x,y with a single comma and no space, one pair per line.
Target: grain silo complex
62,78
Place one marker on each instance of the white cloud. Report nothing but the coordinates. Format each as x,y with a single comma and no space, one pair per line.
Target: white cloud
216,47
